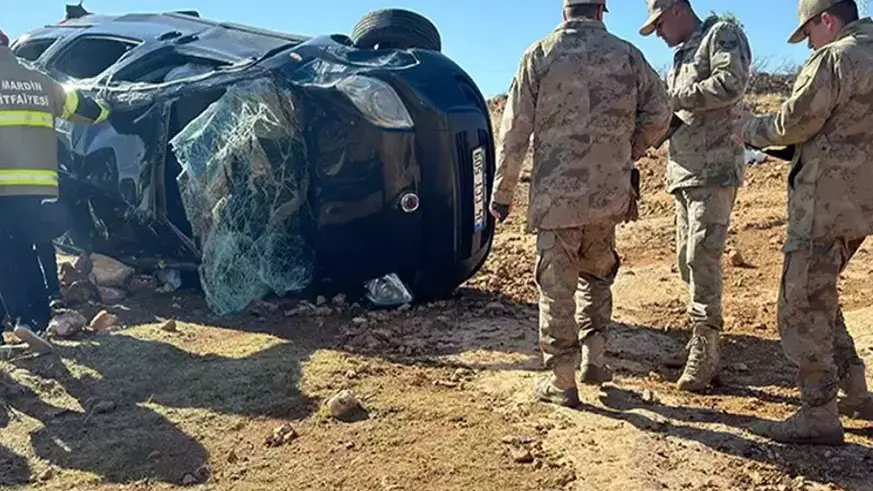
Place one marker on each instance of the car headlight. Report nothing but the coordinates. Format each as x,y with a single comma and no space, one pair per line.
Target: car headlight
377,101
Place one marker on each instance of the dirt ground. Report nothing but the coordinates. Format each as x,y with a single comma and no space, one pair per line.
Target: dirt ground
445,388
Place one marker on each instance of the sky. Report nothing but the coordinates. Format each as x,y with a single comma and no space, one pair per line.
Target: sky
485,37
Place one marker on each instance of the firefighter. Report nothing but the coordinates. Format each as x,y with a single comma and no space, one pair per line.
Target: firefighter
29,103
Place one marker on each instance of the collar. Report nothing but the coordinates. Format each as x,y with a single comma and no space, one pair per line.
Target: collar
854,27
701,31
580,24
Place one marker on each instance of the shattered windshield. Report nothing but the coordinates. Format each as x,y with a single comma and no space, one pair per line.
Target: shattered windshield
243,185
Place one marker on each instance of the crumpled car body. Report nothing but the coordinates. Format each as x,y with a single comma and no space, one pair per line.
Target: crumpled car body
267,162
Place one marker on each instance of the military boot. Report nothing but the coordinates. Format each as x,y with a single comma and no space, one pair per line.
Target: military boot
704,359
858,402
593,368
809,425
559,386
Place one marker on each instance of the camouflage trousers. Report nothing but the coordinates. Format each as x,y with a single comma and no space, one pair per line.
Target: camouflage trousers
702,220
575,270
811,324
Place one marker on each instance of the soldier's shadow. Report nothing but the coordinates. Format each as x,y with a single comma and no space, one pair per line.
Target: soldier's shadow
684,423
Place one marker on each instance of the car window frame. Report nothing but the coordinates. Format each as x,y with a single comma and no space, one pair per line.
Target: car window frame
53,63
31,40
164,51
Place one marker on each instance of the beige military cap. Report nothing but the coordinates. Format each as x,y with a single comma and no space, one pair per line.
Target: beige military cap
656,8
806,11
568,3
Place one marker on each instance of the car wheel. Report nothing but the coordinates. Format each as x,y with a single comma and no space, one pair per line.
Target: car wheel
396,29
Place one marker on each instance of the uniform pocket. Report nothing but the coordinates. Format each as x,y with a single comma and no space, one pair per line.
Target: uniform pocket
795,280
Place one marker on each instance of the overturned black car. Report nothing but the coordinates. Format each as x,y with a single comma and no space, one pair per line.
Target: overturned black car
262,162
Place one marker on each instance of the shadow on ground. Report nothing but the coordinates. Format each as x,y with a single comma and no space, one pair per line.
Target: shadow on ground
849,467
123,384
14,469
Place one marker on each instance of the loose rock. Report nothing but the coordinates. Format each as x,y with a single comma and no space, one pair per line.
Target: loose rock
109,272
67,324
68,274
111,295
46,474
83,264
649,397
169,326
343,404
736,258
80,292
104,321
495,308
521,455
281,436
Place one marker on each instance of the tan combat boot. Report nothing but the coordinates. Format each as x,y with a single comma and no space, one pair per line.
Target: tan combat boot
809,425
593,368
559,386
704,359
858,402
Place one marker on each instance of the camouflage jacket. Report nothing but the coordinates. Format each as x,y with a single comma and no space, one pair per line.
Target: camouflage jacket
829,118
707,82
594,105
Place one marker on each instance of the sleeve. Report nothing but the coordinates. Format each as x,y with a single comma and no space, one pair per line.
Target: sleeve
516,127
82,108
76,106
812,101
730,61
653,107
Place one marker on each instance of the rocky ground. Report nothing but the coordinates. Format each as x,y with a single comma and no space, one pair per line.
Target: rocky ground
158,393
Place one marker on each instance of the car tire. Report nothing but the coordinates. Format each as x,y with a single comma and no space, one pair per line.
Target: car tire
396,29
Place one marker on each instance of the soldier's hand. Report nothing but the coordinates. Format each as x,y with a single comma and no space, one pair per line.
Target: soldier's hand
500,211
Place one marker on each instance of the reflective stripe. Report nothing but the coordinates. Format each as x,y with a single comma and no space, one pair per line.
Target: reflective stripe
27,118
28,177
71,104
104,113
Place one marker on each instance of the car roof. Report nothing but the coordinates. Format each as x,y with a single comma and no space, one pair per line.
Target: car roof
234,39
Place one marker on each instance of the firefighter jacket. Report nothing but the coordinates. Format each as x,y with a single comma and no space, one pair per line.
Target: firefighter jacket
29,103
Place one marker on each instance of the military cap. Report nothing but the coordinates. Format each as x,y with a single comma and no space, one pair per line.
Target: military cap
570,3
806,11
656,8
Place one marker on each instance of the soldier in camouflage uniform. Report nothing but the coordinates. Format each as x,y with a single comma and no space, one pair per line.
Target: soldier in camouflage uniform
594,105
711,68
829,120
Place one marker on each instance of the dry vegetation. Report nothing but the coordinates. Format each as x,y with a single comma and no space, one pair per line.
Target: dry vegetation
239,403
